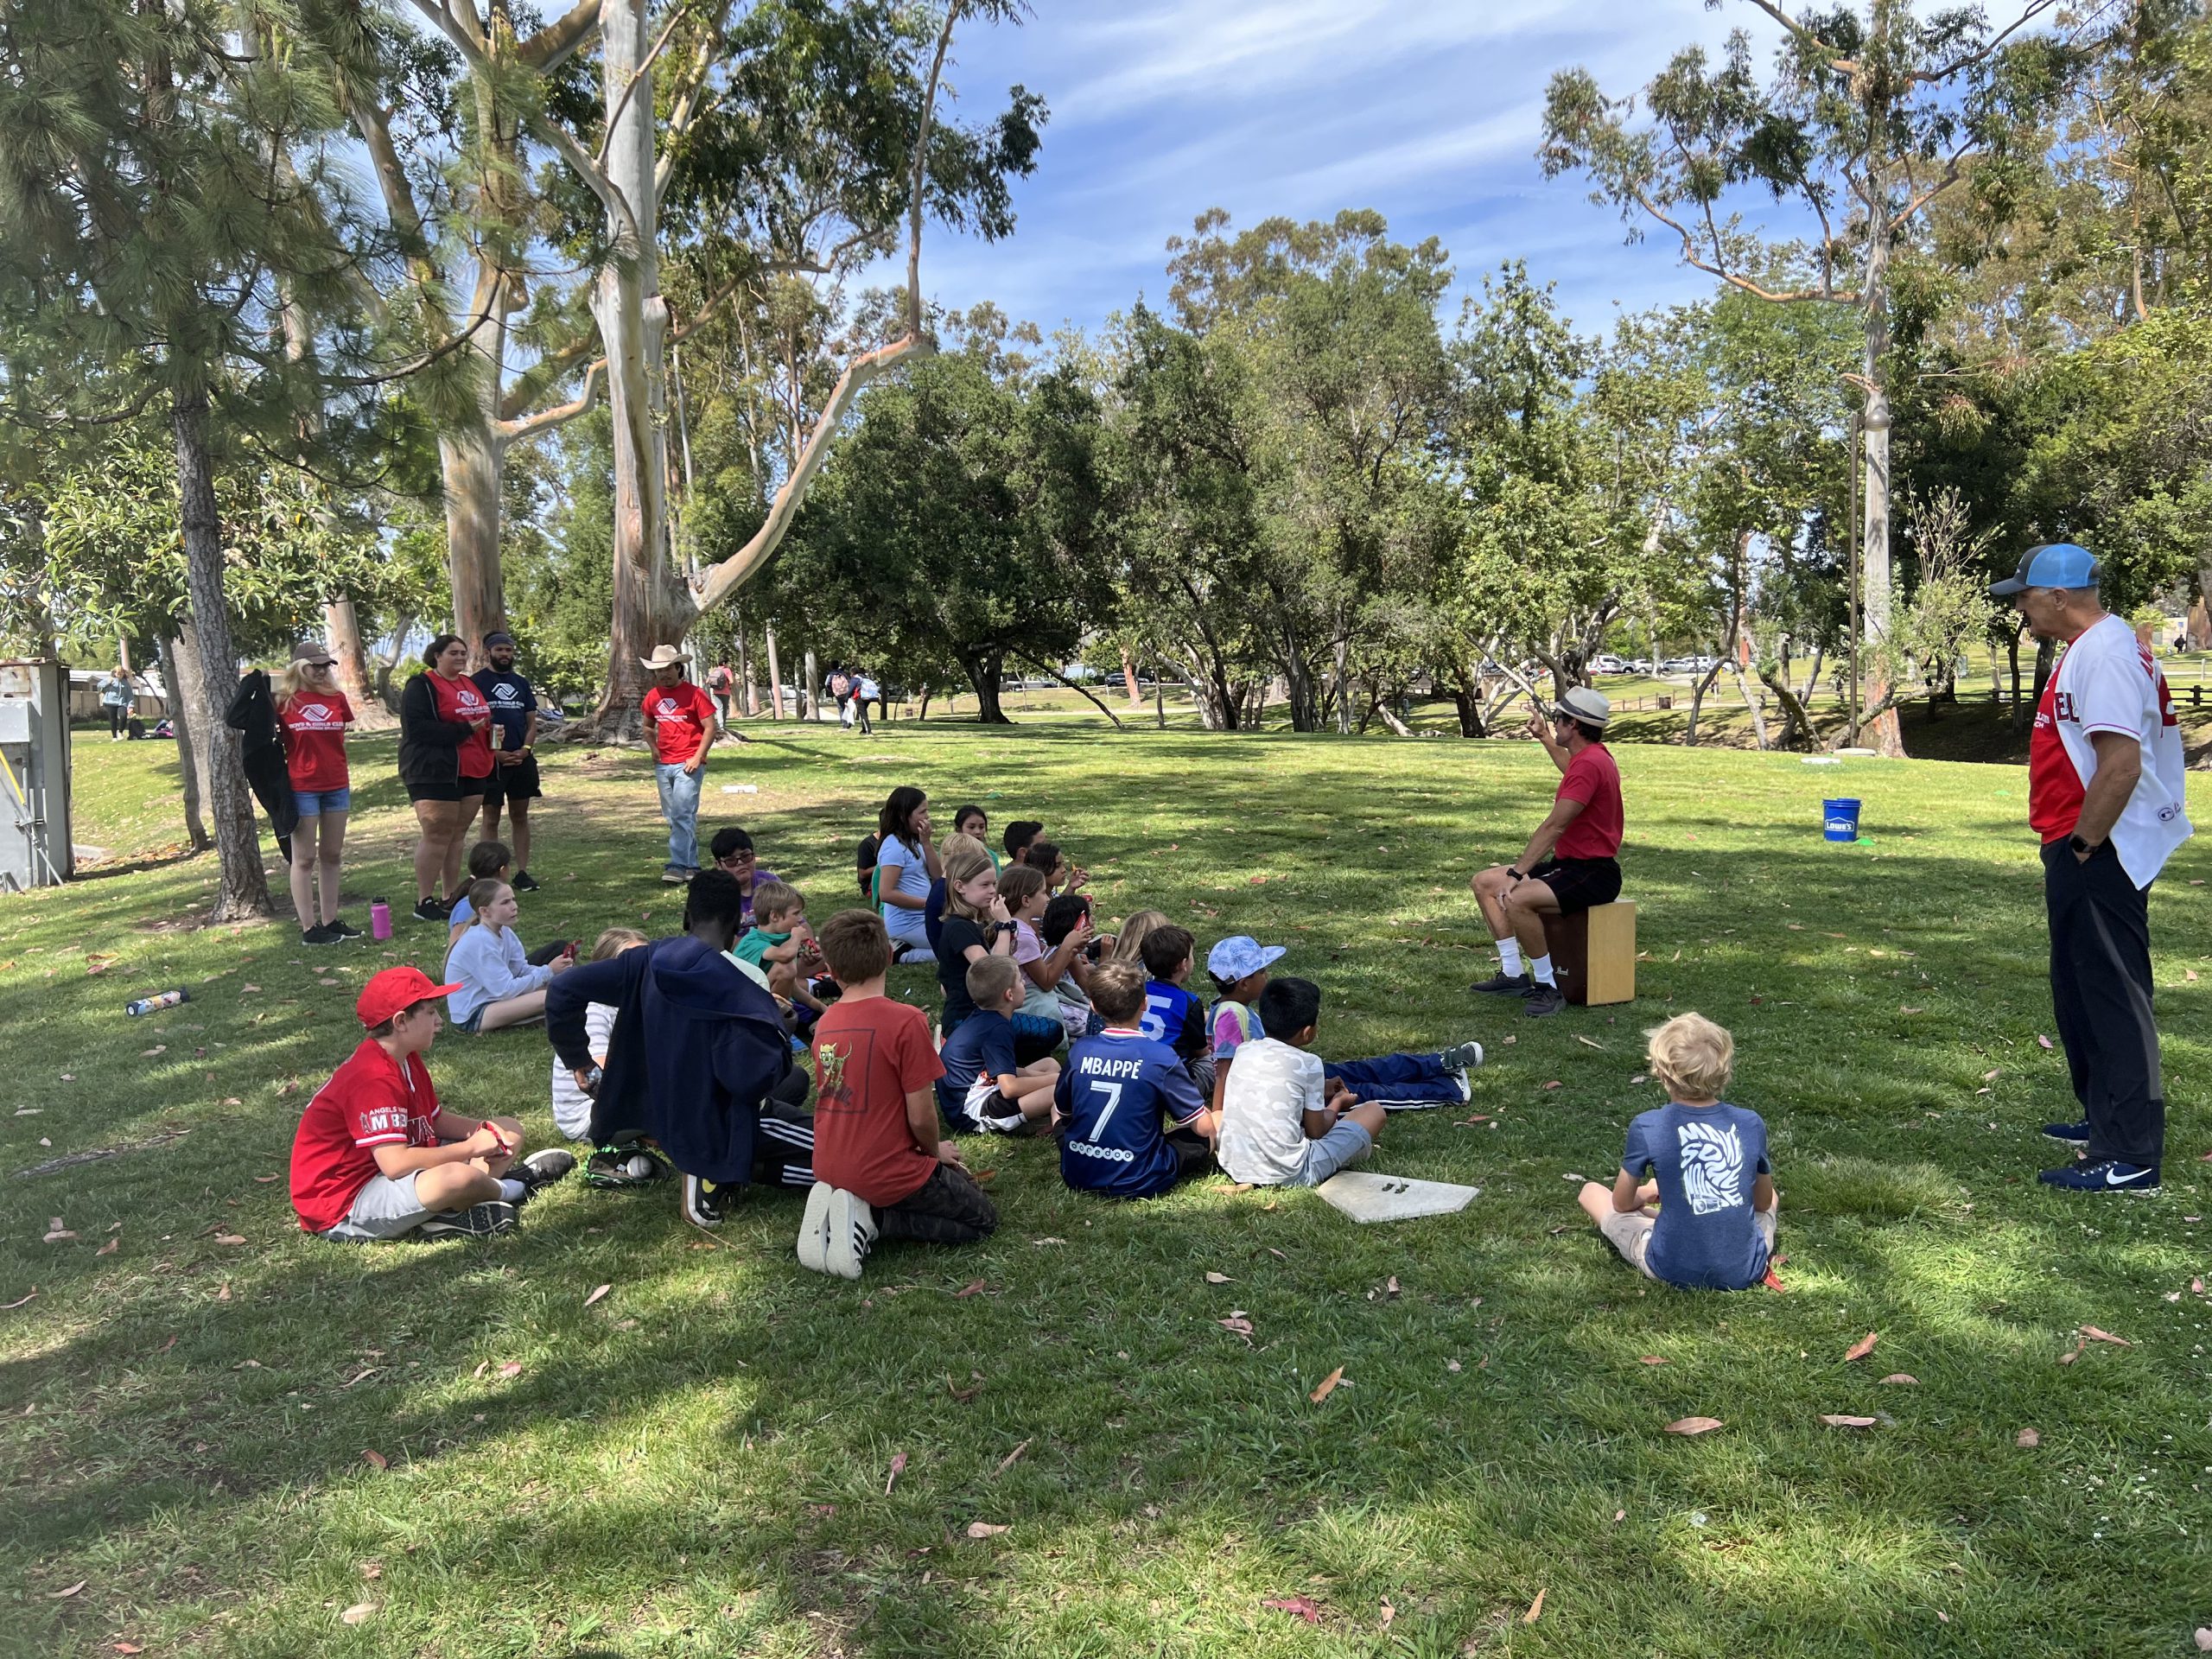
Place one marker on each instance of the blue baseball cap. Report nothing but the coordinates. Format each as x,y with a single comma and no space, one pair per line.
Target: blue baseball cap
2054,564
1238,955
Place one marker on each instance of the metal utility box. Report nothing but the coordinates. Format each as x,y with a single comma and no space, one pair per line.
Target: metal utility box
35,850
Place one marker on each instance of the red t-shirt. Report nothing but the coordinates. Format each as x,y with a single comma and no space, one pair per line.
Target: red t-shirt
1594,780
314,739
369,1101
869,1056
459,703
2054,788
680,716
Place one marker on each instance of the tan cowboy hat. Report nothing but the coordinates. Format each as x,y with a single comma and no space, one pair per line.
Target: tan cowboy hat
663,657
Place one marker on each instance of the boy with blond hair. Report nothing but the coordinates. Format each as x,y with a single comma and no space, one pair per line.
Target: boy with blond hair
983,1086
1714,1229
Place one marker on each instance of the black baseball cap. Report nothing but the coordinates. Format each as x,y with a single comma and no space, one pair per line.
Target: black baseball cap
497,637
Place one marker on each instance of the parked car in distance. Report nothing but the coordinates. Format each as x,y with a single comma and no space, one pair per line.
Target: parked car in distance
1608,663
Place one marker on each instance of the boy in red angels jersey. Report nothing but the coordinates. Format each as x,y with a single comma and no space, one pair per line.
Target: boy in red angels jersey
2105,772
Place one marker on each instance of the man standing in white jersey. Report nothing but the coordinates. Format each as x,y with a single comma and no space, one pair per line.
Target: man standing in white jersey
2105,794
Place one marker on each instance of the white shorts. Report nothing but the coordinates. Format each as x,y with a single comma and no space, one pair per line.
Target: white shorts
989,1109
385,1208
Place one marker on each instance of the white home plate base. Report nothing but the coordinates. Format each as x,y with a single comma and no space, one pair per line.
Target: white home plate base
1365,1197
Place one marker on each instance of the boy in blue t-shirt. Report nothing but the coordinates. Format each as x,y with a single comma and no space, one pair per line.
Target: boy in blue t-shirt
983,1088
1170,1014
1711,1179
1132,1123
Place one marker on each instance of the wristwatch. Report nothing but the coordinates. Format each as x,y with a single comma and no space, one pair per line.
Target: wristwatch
1515,874
2082,847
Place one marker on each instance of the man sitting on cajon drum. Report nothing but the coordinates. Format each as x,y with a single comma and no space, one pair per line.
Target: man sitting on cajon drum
1570,864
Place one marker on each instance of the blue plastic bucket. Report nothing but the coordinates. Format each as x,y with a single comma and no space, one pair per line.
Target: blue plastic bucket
1839,820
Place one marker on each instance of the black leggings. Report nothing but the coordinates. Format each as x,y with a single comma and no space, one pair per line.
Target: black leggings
119,716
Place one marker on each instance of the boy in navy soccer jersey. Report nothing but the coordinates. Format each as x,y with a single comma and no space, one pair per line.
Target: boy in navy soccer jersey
1131,1121
983,1088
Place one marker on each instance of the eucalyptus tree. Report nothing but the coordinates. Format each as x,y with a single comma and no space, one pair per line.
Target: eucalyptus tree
1872,114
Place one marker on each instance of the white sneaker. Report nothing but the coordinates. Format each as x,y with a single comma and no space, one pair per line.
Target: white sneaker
814,1228
852,1229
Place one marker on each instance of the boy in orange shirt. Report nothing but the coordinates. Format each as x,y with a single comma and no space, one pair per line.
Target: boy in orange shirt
880,1169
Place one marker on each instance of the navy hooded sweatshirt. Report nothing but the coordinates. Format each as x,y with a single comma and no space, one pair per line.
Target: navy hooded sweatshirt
695,1048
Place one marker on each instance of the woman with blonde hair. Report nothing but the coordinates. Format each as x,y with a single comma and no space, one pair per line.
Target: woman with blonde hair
314,717
1129,945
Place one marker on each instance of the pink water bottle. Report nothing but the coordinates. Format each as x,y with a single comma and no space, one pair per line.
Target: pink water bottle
380,919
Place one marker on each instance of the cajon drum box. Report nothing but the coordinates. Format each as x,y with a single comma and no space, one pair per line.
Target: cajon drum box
1593,953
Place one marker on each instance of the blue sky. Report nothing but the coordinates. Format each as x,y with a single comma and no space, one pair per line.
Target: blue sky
1427,109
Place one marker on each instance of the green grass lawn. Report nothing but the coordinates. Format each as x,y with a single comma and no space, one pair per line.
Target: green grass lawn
700,1462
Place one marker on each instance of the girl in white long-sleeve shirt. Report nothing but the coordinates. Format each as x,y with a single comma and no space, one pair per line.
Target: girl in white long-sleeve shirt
571,1106
499,987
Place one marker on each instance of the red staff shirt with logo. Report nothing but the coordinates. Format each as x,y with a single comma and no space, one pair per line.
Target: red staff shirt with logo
314,739
680,715
460,702
1594,780
371,1101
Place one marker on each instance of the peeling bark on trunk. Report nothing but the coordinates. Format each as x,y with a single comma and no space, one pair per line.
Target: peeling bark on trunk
809,698
1883,733
343,624
242,891
180,670
471,463
775,680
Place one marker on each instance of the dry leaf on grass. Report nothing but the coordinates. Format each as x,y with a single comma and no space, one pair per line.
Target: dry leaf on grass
1837,1420
6,1307
1298,1606
55,1232
126,1647
1451,1365
2080,1346
265,1180
1693,1426
973,1287
1905,1379
960,1396
898,1468
1013,1457
1619,1516
983,1530
376,1460
64,1595
2042,1041
358,1614
2095,1335
109,1248
1589,1042
1554,1083
2204,1639
1652,1359
230,1238
1328,1386
512,1368
1213,1278
1535,1608
1863,1347
596,1294
1390,1286
2027,1440
1237,1323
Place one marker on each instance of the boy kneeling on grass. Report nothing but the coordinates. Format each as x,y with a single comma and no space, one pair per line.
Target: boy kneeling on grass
1283,1122
983,1088
882,1169
376,1157
1132,1122
1715,1191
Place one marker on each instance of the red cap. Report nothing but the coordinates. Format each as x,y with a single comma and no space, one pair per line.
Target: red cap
394,991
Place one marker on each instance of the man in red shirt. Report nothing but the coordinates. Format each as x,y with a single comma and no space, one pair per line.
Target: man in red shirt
1571,863
881,1168
376,1157
680,719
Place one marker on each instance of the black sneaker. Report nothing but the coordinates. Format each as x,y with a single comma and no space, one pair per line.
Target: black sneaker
617,1166
478,1220
1462,1057
430,910
702,1202
2073,1134
342,928
541,1169
2107,1175
1544,1001
1504,985
322,933
525,882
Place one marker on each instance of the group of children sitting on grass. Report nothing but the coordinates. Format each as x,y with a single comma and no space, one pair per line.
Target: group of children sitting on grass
680,1052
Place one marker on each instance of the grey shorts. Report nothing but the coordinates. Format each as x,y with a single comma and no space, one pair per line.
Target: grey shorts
1340,1148
385,1208
1630,1232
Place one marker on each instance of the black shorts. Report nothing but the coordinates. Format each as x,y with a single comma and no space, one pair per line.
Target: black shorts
515,783
1580,883
434,788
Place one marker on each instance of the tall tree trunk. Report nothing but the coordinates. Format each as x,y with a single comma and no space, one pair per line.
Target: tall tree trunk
343,624
243,889
984,674
749,699
472,462
810,700
653,607
180,670
1697,704
775,680
1344,686
1884,735
1130,681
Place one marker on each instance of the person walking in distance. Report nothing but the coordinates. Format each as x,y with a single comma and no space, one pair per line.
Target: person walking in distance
116,692
682,722
1571,862
514,782
2105,772
865,691
719,682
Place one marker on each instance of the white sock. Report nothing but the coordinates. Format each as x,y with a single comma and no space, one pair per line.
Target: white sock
1542,967
512,1190
1508,954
